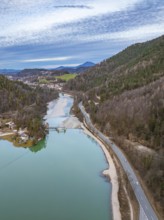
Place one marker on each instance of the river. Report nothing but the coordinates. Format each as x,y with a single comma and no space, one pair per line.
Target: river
58,179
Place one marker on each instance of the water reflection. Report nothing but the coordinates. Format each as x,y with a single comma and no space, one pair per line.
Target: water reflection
41,145
92,139
60,130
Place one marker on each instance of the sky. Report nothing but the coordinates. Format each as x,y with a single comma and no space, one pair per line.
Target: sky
51,33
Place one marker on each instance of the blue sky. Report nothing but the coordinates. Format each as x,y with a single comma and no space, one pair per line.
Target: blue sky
50,33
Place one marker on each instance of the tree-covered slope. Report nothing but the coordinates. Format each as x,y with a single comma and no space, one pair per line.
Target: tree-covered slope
135,66
124,96
24,105
123,75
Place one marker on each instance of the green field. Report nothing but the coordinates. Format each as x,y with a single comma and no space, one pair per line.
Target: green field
66,77
43,81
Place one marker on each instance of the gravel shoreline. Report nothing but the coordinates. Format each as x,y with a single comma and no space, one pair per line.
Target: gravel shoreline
2,134
112,174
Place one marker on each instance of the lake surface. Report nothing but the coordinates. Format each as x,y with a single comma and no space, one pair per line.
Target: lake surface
58,179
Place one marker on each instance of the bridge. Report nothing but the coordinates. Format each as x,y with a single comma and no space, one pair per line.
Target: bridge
54,128
58,129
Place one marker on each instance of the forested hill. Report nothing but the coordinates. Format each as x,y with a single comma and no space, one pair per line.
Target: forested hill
128,90
24,105
124,96
15,95
135,66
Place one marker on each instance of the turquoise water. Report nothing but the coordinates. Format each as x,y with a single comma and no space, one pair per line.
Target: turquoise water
59,179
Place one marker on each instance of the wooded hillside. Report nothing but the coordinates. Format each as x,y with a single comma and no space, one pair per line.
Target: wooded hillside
134,67
128,89
24,105
125,98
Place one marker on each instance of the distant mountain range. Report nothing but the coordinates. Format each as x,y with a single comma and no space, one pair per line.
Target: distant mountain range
9,71
39,72
76,69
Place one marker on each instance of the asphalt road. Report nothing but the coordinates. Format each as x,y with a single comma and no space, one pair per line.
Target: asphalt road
146,210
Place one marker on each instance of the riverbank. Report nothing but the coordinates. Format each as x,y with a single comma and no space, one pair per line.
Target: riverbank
111,173
56,108
3,134
11,137
71,122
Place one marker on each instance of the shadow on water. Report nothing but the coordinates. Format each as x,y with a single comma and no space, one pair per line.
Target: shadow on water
41,145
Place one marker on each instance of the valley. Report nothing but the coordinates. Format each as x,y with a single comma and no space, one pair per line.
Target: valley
123,101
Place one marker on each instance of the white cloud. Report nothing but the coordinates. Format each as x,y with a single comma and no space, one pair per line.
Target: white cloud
29,20
47,59
140,33
37,31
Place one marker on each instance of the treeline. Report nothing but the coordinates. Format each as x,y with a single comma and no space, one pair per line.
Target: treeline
40,72
134,67
137,114
125,97
127,89
25,105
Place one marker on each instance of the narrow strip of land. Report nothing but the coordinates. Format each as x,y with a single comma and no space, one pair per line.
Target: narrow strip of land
2,134
112,174
146,211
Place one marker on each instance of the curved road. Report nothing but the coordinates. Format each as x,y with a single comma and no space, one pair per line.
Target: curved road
146,211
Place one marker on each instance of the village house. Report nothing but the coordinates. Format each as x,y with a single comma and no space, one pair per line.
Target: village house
23,135
10,125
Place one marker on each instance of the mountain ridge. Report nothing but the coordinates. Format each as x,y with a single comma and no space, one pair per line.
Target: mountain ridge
9,71
36,71
77,69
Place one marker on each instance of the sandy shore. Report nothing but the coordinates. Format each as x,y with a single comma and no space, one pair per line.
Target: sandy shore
112,174
2,134
56,108
71,122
